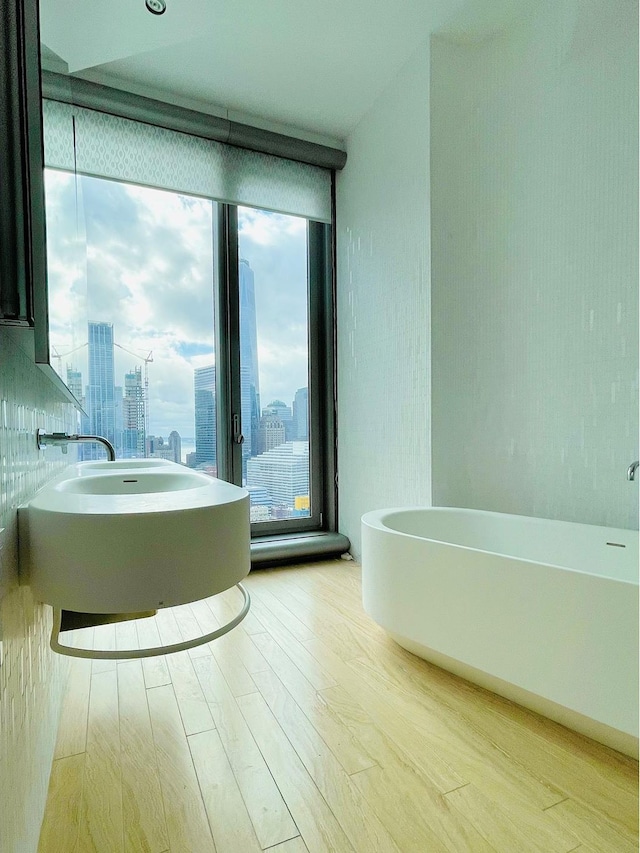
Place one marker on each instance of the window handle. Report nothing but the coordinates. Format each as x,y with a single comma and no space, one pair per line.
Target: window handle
237,437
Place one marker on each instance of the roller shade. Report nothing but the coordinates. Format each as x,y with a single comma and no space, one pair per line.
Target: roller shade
103,145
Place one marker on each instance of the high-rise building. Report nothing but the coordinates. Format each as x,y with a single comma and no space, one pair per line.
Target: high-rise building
74,383
277,407
133,427
301,415
204,382
101,404
260,508
284,473
175,444
272,432
118,399
249,379
158,448
205,385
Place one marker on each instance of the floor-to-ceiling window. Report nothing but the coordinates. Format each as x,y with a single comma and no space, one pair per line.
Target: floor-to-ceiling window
193,342
274,363
131,315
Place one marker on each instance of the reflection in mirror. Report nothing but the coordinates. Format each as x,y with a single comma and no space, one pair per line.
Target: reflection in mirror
66,273
65,235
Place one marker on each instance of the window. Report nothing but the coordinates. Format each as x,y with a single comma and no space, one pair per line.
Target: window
131,315
274,363
191,329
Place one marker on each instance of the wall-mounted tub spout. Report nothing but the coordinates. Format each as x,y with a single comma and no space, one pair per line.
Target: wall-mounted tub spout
63,438
631,470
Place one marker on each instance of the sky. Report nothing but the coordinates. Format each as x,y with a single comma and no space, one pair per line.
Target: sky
141,258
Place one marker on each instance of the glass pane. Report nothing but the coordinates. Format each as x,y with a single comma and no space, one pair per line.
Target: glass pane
66,275
143,364
274,363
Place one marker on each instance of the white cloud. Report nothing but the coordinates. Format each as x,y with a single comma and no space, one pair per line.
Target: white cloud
268,229
147,267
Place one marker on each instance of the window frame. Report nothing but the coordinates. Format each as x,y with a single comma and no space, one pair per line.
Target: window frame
321,369
320,374
22,256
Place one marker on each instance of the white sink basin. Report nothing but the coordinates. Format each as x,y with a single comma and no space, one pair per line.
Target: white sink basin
112,537
119,464
133,483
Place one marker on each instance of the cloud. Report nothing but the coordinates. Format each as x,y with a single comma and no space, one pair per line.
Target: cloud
142,259
275,246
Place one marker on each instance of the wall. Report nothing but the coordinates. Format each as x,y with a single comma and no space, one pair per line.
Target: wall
383,304
31,677
534,265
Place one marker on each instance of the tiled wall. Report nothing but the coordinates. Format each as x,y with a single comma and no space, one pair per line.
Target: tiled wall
534,266
496,367
383,304
31,677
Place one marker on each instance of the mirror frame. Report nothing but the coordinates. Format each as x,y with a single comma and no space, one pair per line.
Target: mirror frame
23,244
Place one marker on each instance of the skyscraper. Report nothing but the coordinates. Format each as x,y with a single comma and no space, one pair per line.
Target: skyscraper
74,383
249,380
101,407
133,430
175,443
204,382
284,473
277,407
301,414
272,432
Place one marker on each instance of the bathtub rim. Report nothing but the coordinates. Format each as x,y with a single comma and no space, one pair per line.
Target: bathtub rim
375,520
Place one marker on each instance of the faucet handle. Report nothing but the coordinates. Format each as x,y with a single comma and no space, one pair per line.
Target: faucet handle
631,470
60,438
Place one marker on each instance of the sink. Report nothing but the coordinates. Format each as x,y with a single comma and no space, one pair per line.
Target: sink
133,482
133,535
119,464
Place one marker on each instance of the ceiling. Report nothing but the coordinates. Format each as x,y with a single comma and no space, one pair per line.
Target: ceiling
311,66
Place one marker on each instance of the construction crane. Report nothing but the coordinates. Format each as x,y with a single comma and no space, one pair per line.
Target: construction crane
147,360
60,355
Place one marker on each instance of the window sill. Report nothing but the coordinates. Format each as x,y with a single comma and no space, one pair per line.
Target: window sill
275,550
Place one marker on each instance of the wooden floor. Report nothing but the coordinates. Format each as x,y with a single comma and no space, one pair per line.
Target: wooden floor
307,729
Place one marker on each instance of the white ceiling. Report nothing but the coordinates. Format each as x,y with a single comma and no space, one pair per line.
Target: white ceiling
313,65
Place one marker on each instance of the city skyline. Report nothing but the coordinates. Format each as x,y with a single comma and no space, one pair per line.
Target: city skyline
132,319
276,463
144,263
118,411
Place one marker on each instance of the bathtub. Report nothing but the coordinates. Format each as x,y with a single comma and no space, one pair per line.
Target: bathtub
542,612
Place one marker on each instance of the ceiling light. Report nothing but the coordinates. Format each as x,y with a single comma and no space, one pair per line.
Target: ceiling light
156,7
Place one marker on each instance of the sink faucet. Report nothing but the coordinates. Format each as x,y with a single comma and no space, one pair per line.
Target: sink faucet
631,470
63,438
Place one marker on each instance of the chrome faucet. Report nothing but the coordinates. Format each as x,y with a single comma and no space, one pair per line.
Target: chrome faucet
631,470
63,438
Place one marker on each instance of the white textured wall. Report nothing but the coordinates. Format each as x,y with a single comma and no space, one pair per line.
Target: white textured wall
31,677
383,304
534,266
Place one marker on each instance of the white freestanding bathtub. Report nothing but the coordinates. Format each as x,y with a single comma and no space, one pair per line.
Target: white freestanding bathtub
542,612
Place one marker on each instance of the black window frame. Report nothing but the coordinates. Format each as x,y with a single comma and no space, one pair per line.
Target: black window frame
320,379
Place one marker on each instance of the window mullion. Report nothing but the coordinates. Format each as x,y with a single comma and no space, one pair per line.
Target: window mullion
227,335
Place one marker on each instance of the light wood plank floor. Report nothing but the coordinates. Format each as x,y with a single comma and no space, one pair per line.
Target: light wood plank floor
307,730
